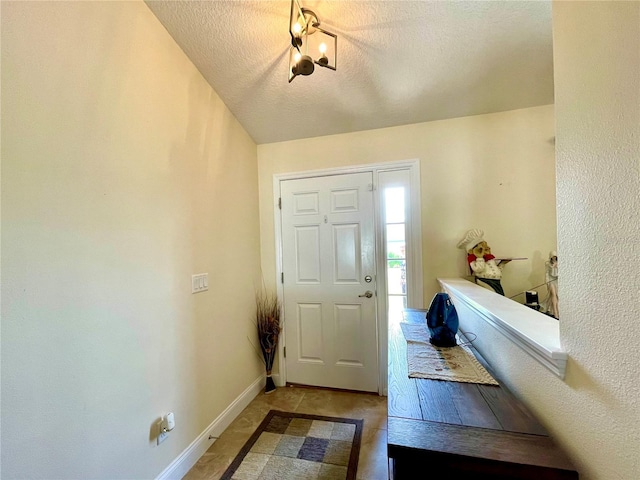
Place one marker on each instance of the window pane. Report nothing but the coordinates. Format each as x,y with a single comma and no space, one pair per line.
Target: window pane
395,241
396,250
396,277
395,233
394,204
396,304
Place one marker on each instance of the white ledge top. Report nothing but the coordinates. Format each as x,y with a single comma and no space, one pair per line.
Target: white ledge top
536,333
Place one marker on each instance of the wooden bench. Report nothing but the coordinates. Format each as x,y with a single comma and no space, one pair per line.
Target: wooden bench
475,431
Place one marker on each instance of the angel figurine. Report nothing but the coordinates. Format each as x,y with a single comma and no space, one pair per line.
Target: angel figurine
551,277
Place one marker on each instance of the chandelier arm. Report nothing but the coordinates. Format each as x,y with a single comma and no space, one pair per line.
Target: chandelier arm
303,23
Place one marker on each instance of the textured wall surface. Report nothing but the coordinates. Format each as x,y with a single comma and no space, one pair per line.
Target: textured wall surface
122,175
595,411
597,57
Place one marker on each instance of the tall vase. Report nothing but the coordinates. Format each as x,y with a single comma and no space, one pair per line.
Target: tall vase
270,386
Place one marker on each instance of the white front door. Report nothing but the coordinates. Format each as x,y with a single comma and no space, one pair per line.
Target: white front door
328,254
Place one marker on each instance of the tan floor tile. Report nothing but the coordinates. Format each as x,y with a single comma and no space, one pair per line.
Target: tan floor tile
284,398
229,443
249,419
372,408
373,464
210,468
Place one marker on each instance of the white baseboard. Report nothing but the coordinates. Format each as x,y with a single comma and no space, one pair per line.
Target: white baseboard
188,458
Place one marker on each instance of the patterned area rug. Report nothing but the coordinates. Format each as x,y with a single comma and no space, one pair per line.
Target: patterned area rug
296,446
455,364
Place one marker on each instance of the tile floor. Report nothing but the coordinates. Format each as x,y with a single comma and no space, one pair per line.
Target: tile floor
372,464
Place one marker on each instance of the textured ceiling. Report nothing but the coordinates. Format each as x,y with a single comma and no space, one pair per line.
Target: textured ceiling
399,62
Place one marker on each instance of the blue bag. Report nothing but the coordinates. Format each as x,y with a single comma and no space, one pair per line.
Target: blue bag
442,321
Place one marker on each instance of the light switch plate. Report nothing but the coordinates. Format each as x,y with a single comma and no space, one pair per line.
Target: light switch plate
199,282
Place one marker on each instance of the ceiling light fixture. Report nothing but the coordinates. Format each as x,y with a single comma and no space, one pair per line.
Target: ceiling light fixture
310,44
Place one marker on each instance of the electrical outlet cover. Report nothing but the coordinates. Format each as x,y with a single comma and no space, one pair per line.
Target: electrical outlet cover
162,436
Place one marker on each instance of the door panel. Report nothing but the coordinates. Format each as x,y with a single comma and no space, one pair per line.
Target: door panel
348,320
347,258
306,203
310,333
328,249
344,201
307,248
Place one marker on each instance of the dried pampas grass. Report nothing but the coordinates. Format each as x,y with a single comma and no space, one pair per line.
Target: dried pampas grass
268,311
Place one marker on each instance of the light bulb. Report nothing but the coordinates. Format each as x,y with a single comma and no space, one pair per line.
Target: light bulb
297,28
323,48
297,57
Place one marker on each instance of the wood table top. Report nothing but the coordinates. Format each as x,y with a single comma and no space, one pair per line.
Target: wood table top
469,404
467,419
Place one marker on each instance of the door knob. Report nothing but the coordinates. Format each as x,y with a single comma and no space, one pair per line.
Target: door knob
367,294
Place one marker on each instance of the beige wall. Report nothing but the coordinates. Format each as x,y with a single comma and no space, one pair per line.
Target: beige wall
122,175
597,53
495,172
595,411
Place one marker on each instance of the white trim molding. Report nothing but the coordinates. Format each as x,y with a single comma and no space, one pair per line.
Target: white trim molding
416,294
188,458
534,332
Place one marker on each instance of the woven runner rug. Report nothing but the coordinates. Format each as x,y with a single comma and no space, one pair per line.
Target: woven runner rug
296,446
454,364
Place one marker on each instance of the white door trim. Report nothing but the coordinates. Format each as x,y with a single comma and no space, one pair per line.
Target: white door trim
414,270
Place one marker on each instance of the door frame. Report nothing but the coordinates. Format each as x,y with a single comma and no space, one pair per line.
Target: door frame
414,253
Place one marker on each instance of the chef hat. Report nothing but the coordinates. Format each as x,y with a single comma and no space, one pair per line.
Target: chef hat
553,253
472,238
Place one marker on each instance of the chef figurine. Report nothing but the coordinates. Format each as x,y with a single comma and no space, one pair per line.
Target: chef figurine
483,264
